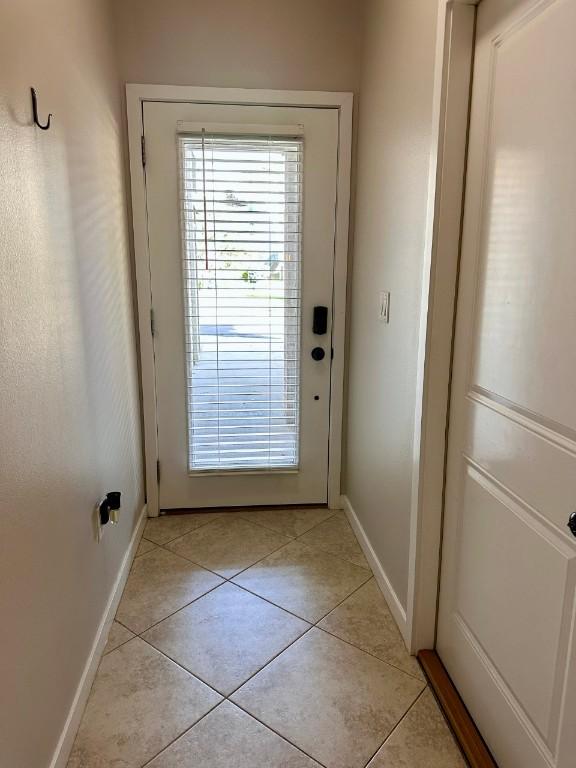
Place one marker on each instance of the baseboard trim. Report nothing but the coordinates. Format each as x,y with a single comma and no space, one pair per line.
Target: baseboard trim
64,746
464,728
396,607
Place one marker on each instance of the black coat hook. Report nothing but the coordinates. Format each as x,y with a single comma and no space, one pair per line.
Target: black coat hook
35,112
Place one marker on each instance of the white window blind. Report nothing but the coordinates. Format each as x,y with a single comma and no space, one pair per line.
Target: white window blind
241,213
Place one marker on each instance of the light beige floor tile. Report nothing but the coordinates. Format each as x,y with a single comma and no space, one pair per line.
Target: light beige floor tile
229,738
422,740
332,700
165,528
139,703
144,546
226,636
303,580
159,584
228,545
290,522
117,636
336,537
365,620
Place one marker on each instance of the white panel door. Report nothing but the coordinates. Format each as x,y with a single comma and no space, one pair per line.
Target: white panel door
241,204
507,598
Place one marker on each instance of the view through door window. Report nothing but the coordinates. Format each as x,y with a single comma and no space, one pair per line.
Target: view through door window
241,209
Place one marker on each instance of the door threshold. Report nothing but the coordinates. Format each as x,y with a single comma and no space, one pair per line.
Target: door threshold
264,508
461,723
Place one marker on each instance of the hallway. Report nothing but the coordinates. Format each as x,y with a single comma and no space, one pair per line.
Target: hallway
257,639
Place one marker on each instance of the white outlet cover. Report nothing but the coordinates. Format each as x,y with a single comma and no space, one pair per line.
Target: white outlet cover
384,306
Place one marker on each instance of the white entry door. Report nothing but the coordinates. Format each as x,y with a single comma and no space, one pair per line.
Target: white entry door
506,628
241,205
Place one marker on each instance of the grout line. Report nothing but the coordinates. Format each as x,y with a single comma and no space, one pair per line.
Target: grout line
184,732
344,600
395,727
306,631
331,515
284,544
125,627
329,552
211,685
178,554
181,535
121,644
139,634
292,541
384,661
150,550
366,580
185,669
277,549
267,600
250,714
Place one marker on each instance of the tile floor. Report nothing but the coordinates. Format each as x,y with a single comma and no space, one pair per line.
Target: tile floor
257,640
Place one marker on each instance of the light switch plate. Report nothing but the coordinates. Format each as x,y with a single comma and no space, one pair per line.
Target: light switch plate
384,306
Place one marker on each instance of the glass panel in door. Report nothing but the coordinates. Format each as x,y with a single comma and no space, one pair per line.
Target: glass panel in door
241,215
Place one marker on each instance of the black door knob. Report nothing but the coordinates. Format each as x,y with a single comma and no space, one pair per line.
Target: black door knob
318,353
572,523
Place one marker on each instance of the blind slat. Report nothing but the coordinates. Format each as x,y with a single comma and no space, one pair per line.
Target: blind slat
241,211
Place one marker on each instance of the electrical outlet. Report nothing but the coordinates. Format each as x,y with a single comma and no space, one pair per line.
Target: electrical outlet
106,512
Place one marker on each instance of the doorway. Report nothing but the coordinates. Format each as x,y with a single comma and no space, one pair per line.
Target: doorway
243,278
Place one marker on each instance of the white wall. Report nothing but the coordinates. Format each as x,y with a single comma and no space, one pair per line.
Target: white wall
69,412
394,145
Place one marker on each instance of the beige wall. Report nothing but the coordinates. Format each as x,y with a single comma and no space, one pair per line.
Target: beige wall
69,414
394,144
302,44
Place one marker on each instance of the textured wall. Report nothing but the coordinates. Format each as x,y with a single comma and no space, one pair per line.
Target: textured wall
394,144
69,412
302,44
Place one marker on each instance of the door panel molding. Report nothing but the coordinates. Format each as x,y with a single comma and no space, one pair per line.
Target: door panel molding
519,714
540,425
559,633
136,95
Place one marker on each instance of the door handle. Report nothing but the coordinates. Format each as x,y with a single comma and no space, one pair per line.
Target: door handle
320,320
572,523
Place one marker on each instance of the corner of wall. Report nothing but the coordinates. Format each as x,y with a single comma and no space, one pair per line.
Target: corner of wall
394,604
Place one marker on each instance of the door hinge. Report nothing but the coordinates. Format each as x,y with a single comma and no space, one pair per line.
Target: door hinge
157,470
152,323
143,145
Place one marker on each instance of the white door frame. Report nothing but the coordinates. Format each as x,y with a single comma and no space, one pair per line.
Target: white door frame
451,107
136,94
